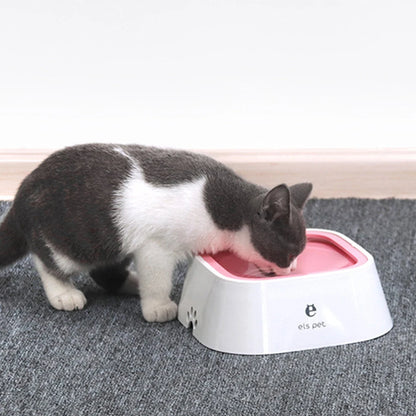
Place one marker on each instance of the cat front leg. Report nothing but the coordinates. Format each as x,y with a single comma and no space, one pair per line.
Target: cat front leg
155,266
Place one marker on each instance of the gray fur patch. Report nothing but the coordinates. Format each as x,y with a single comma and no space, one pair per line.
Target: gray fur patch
168,167
67,201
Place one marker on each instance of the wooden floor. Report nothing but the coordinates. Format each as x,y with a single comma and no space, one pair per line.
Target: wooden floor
359,173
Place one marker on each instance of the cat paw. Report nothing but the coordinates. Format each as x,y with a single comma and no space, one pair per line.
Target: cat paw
160,313
70,300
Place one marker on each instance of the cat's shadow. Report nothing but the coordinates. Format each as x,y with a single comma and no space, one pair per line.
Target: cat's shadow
26,298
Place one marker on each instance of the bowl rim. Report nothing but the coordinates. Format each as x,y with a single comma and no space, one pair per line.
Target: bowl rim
358,255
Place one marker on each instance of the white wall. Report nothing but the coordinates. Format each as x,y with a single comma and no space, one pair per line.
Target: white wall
208,74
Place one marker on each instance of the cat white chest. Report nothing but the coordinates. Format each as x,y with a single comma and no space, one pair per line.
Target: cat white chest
175,216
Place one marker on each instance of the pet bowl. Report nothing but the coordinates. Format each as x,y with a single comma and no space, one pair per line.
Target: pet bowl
334,297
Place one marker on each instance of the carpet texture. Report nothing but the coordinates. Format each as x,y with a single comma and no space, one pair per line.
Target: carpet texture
106,360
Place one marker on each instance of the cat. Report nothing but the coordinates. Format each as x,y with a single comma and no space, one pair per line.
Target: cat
99,207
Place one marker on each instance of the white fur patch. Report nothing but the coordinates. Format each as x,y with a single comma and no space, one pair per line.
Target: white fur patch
66,264
124,153
173,216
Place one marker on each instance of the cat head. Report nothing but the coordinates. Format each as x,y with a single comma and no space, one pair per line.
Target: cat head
277,228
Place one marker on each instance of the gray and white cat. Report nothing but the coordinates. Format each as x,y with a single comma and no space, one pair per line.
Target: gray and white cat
97,207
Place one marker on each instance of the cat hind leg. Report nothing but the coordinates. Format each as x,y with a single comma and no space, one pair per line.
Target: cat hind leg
60,291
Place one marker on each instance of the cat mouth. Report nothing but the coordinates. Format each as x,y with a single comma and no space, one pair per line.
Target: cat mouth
270,272
266,273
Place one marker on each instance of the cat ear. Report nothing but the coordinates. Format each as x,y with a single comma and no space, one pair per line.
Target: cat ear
276,203
300,193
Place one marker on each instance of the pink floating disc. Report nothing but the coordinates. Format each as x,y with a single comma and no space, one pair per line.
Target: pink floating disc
324,252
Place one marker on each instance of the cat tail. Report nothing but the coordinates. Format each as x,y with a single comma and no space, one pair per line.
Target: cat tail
13,243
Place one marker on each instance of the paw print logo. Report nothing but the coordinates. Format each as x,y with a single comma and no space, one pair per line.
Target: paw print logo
191,316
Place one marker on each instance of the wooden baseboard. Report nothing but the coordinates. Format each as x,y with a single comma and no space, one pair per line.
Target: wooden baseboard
335,173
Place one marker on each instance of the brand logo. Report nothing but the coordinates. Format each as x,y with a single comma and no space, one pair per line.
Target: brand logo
310,310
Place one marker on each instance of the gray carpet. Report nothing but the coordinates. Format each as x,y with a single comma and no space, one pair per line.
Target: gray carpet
105,360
